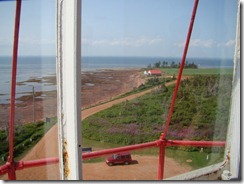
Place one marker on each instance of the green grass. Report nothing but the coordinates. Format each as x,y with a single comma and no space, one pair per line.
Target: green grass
200,71
149,84
201,113
97,144
198,159
26,136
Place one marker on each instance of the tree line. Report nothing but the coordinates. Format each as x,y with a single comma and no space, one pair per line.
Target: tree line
166,64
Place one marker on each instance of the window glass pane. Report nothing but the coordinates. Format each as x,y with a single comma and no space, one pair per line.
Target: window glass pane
35,111
131,52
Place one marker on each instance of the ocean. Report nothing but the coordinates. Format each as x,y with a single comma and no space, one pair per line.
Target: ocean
39,67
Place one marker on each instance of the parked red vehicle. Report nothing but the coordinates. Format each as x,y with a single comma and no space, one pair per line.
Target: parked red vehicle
120,158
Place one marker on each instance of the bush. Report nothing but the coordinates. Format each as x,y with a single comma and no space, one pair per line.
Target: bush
25,137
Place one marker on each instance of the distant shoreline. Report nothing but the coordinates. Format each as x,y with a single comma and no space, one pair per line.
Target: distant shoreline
48,83
107,84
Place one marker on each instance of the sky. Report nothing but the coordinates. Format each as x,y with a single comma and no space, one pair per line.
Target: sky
153,28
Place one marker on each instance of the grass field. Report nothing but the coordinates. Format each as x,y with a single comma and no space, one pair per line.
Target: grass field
195,159
200,71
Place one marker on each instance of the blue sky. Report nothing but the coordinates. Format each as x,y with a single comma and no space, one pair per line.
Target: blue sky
127,28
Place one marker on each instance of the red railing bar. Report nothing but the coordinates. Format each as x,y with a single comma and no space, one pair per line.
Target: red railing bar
26,164
4,169
164,134
196,143
181,68
11,172
159,143
13,81
120,149
161,160
36,163
152,144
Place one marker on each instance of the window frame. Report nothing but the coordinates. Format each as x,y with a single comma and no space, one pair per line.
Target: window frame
69,88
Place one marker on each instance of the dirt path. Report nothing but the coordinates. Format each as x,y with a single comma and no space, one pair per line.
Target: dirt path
94,110
146,169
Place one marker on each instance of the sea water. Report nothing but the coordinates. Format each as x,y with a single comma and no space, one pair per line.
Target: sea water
39,67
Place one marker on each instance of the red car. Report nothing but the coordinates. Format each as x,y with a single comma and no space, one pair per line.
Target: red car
120,158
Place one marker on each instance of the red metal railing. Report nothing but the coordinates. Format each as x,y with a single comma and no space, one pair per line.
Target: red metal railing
181,68
158,143
167,143
164,134
26,164
11,173
11,166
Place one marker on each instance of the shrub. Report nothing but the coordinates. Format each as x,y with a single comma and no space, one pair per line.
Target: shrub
25,137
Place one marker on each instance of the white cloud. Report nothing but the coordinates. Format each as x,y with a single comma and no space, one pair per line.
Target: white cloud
28,42
198,43
85,41
202,43
227,44
37,41
132,42
99,42
155,41
207,43
29,46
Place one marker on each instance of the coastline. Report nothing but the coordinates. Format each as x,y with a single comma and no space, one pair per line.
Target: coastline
97,87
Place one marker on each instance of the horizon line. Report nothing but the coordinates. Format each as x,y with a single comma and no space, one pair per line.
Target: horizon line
178,57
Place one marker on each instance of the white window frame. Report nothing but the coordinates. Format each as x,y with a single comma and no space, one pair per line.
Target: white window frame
69,88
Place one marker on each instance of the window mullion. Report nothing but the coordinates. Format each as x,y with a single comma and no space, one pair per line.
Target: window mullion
68,82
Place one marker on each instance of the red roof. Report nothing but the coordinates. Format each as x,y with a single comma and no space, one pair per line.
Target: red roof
155,72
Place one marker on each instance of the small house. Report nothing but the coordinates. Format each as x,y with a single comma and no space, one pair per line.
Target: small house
156,72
